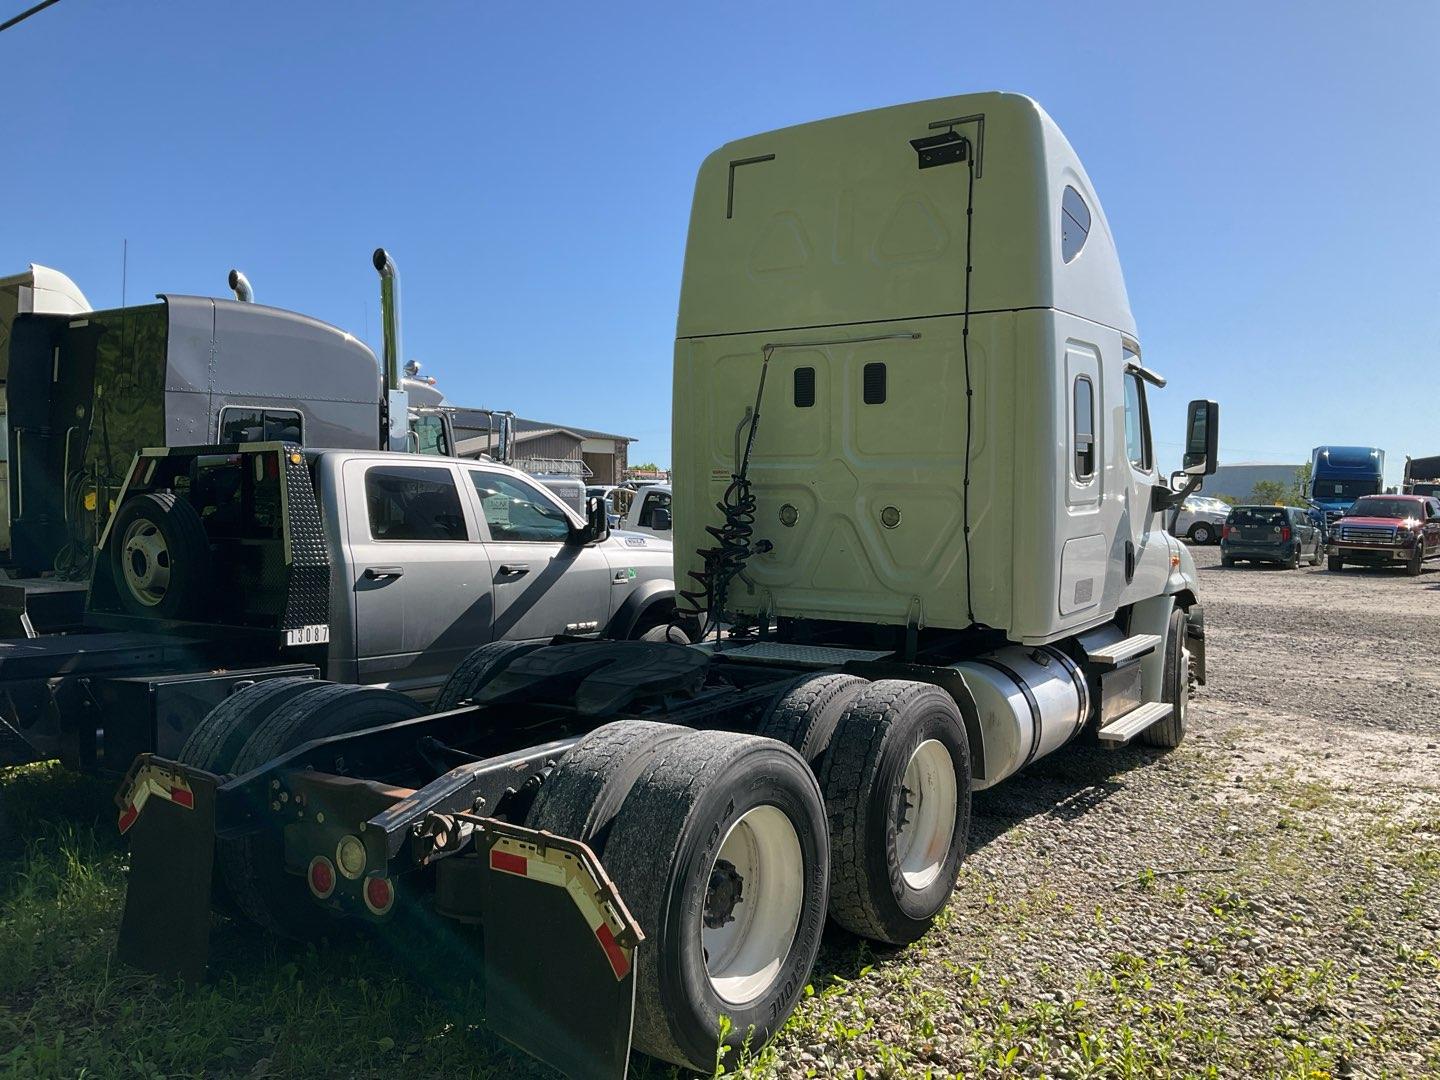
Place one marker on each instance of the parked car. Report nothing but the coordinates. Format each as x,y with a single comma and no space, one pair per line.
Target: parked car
650,512
1383,530
1201,519
617,500
1273,534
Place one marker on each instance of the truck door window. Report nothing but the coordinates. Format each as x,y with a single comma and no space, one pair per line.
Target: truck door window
429,432
514,510
655,500
1084,434
1137,423
260,425
408,502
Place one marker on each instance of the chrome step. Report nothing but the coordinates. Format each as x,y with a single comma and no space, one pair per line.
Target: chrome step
1127,649
1121,731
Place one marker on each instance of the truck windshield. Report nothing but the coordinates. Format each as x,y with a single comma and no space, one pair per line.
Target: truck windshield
1386,508
1343,489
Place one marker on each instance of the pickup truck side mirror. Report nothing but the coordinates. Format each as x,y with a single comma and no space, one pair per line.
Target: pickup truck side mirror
1202,438
660,519
597,524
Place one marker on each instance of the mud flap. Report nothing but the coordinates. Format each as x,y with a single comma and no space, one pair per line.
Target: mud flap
165,928
560,953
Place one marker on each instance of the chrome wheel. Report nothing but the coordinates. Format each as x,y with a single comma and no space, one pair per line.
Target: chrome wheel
752,905
928,802
146,562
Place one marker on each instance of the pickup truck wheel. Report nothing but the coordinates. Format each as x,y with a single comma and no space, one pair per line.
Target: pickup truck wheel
1201,534
897,793
477,669
1417,561
720,852
806,711
666,632
1174,687
159,556
253,866
1336,563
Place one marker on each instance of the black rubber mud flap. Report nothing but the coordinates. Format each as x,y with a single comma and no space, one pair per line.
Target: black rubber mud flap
560,953
169,814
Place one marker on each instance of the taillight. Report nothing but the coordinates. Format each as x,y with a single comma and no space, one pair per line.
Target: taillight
1284,534
1224,532
379,894
321,876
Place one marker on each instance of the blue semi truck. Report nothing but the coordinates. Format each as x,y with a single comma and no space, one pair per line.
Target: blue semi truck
1341,474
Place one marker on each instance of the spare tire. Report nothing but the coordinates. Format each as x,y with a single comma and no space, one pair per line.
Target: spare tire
253,866
159,556
720,853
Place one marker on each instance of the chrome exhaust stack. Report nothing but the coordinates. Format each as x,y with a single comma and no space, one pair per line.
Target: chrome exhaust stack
240,286
396,429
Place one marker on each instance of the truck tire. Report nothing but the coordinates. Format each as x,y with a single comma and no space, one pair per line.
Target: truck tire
1174,687
896,739
1336,563
582,796
222,732
1417,561
806,712
253,866
477,669
719,850
1201,533
666,632
159,556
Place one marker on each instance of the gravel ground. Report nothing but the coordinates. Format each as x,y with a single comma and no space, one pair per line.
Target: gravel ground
1265,900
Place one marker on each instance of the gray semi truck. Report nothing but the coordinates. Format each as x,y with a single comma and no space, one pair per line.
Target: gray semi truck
920,519
84,390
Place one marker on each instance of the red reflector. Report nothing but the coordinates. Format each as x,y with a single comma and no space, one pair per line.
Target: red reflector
322,877
127,817
379,895
511,864
183,797
619,962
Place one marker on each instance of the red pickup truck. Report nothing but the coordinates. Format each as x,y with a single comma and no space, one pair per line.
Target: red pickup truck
1383,530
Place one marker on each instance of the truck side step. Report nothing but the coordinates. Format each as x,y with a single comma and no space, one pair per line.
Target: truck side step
1121,731
1127,649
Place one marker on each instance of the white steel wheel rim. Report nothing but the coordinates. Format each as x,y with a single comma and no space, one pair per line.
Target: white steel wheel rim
929,799
745,955
145,560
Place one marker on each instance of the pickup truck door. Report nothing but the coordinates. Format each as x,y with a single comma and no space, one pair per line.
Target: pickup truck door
420,576
543,584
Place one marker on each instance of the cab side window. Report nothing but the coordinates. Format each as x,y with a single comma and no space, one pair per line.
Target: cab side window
515,510
1137,423
1084,431
408,502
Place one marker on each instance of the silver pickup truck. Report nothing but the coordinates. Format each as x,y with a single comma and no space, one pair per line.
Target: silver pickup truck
226,565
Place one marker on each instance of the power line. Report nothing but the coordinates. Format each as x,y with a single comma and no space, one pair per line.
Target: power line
8,23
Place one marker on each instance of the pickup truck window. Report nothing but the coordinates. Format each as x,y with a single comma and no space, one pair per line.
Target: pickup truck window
514,510
655,500
1137,424
413,502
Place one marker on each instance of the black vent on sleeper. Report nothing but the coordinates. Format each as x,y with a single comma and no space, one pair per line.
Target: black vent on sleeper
874,384
804,387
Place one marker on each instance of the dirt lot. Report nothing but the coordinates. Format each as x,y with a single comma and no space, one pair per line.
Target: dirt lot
1263,901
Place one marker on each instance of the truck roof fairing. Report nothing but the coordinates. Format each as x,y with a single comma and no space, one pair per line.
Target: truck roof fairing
834,223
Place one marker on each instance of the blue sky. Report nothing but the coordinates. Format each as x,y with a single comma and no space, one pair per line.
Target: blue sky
1268,170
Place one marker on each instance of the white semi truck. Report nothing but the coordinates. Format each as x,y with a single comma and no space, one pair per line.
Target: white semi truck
920,512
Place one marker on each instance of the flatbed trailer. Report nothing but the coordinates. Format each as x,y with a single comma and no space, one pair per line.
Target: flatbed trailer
941,559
